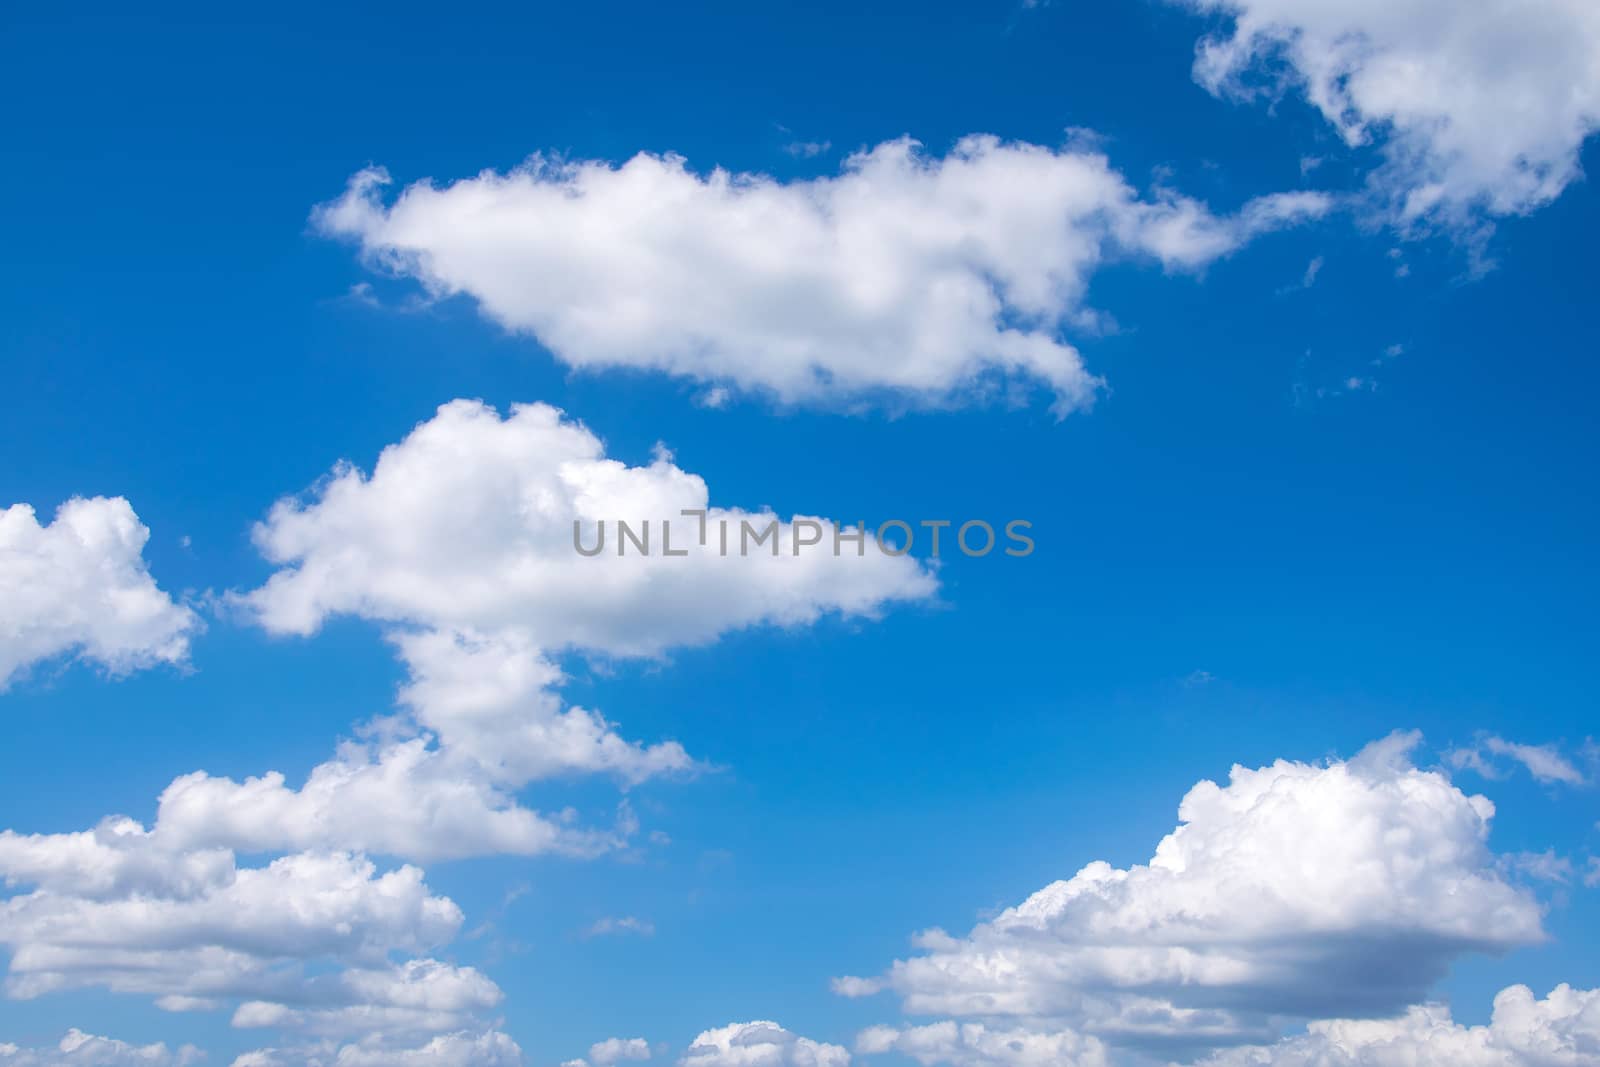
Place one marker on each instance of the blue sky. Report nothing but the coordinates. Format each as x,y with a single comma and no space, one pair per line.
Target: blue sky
1311,505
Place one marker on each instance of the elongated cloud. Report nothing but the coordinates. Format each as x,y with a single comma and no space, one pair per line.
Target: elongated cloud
1477,108
976,1045
931,280
463,1048
80,587
78,1047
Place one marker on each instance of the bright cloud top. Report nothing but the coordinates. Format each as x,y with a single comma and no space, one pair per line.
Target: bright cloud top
932,279
466,526
80,586
760,1044
1476,106
1287,893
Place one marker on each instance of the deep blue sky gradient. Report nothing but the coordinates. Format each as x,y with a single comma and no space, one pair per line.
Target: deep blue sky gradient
1419,556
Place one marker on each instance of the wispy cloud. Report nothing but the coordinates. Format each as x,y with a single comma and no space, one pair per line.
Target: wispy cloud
618,925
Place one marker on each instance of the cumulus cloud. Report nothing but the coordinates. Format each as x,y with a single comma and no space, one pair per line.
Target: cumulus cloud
931,279
617,1050
1477,108
78,1047
461,543
466,526
1562,1030
403,798
80,587
760,1044
1294,891
304,943
217,930
976,1045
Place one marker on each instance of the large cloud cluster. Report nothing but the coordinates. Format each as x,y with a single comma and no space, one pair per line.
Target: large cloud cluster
1296,891
304,942
459,544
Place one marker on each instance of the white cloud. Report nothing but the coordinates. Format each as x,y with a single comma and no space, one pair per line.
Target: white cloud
461,542
78,1047
931,279
1544,762
462,1049
417,998
1312,270
975,1045
402,798
236,931
1562,1030
1476,107
488,698
80,586
850,985
807,149
617,1050
466,526
1543,866
304,943
760,1044
1294,891
626,924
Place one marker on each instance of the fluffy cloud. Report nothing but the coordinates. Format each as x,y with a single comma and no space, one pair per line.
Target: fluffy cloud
1295,891
303,943
466,526
1476,107
80,586
403,798
417,998
460,544
78,1047
975,1045
928,278
1562,1030
217,930
617,1050
461,541
760,1044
